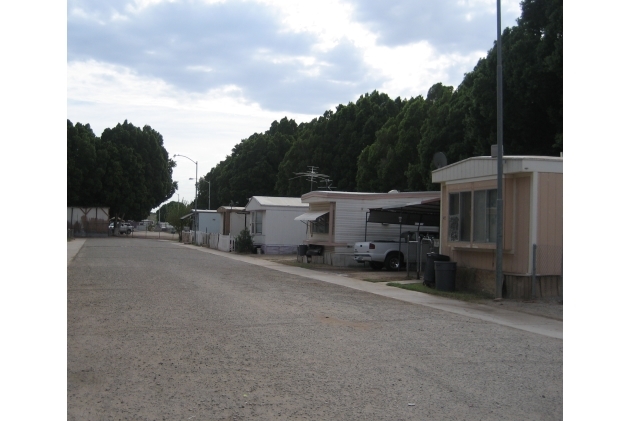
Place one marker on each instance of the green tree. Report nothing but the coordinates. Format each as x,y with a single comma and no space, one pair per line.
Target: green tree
382,166
126,169
532,62
138,174
333,143
243,242
174,212
252,167
83,170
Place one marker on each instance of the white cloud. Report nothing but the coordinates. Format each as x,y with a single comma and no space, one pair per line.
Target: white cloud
204,126
412,69
408,70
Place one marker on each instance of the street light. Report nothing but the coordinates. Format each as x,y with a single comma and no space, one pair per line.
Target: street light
206,181
195,162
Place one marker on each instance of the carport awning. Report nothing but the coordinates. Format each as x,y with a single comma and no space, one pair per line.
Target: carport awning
310,216
424,212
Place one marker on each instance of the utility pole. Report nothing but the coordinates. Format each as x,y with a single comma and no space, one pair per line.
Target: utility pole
499,245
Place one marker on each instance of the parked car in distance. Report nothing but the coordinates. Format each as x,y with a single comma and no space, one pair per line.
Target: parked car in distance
123,228
166,227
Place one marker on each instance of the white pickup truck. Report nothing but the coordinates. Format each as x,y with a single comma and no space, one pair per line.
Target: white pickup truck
380,253
123,228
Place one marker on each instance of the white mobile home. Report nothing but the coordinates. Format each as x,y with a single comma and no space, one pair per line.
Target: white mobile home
337,220
272,223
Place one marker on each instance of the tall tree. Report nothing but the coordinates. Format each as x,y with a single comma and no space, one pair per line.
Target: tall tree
83,170
334,141
139,172
251,168
127,169
382,166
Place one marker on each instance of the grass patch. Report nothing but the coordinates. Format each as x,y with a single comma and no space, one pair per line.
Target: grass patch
384,279
458,295
312,266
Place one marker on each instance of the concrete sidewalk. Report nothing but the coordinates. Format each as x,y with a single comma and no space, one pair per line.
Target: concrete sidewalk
73,248
530,323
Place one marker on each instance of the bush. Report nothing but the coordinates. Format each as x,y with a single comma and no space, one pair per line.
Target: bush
243,243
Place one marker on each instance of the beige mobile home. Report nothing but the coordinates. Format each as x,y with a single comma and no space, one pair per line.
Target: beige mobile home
533,223
272,223
337,220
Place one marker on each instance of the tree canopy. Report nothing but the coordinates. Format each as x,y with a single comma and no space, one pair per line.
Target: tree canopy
127,169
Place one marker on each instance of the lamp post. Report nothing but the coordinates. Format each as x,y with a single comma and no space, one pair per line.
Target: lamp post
195,162
206,181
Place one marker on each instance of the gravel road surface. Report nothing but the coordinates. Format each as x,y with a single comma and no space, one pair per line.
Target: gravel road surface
157,331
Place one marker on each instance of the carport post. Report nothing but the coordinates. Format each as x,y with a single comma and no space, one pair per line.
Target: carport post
400,225
407,267
419,245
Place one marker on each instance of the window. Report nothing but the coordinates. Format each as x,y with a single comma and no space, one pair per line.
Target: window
460,216
485,216
320,225
478,218
258,222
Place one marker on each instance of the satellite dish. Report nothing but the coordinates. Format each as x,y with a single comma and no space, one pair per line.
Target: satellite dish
439,160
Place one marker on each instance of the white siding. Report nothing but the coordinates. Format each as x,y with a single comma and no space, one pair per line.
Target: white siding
237,223
280,228
209,222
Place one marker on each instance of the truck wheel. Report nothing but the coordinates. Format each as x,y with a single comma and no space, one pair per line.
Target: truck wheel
376,265
393,261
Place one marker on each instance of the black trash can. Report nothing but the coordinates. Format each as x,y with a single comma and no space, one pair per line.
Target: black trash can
302,249
445,276
428,275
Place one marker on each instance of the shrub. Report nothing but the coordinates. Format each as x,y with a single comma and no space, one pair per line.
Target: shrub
243,243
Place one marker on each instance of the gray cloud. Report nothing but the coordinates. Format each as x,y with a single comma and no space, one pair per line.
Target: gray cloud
442,23
198,47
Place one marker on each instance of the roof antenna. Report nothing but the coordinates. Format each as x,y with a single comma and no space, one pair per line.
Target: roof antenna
312,175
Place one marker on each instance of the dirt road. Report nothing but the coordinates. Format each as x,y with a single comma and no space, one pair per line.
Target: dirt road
159,331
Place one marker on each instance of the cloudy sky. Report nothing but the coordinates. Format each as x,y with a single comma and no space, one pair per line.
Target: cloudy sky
208,73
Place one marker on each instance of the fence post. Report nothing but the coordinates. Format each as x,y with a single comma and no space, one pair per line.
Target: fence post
533,292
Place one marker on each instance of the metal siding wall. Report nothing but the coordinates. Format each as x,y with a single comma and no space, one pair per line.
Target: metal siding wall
522,226
550,230
280,228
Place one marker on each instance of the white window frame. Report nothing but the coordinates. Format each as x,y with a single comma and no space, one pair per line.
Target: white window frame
257,223
473,219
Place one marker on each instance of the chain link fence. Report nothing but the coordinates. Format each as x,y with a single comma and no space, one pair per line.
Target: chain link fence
88,228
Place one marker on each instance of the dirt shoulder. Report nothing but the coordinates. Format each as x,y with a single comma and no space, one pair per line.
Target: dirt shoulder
551,307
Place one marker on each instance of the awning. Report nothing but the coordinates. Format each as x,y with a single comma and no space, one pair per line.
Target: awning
310,216
187,215
424,212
